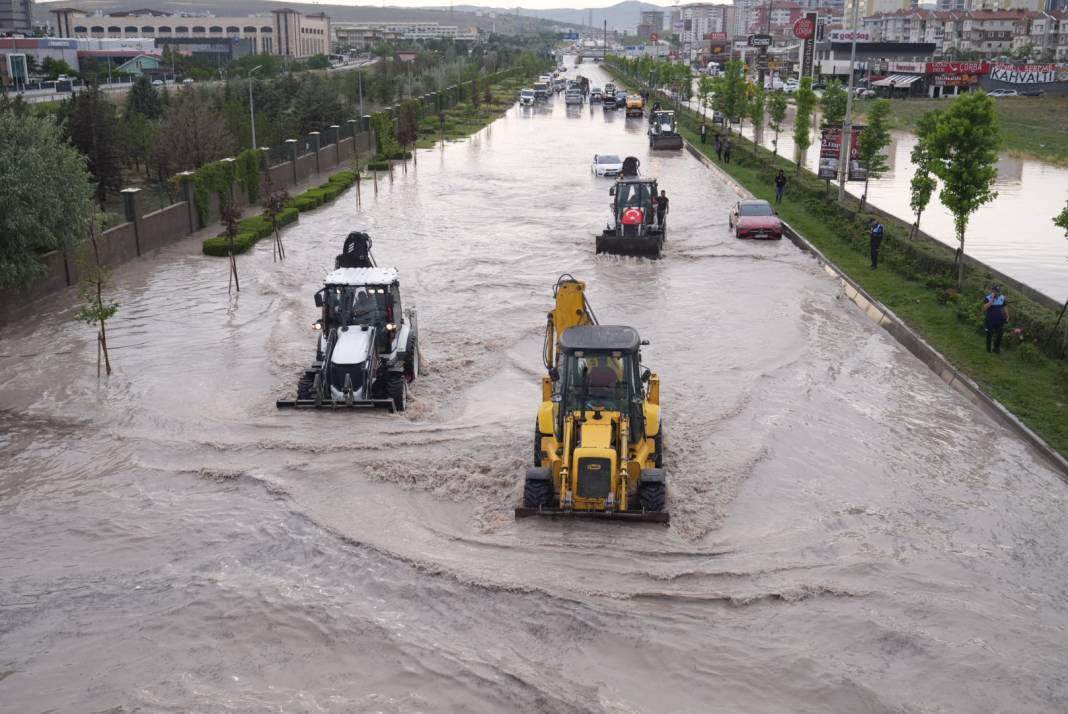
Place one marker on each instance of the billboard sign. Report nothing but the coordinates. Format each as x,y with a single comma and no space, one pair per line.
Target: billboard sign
808,51
717,36
907,67
847,35
759,40
1029,73
958,68
804,28
831,153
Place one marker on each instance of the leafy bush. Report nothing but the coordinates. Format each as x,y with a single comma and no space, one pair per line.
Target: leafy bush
249,231
382,165
1030,354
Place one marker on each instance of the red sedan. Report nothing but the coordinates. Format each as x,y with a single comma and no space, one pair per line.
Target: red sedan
755,219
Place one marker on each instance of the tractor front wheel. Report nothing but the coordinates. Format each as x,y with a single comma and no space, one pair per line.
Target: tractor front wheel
537,494
397,388
652,497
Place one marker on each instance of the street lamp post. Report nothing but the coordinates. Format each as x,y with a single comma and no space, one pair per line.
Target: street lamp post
359,79
251,106
847,125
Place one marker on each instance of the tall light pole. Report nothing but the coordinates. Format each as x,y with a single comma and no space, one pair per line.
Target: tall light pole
847,125
251,107
359,79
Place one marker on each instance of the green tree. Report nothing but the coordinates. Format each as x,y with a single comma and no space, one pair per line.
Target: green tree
317,105
871,143
776,115
733,89
833,103
964,149
144,99
139,135
93,128
318,62
46,196
922,185
52,68
705,87
95,310
1061,220
757,106
806,102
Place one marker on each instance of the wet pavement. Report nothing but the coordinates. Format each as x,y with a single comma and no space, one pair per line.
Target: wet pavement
847,533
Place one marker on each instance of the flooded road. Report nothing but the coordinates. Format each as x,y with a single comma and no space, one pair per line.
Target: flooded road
847,534
1014,233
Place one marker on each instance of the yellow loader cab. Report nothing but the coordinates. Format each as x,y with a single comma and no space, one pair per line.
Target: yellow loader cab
635,104
597,442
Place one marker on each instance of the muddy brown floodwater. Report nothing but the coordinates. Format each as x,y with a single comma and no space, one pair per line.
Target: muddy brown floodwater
848,535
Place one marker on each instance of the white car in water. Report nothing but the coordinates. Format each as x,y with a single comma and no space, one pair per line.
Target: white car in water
526,97
606,165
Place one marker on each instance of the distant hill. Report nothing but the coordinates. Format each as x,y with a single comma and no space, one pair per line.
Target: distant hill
505,21
624,16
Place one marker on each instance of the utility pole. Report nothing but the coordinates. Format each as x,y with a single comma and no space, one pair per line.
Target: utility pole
359,79
604,52
762,59
847,126
251,107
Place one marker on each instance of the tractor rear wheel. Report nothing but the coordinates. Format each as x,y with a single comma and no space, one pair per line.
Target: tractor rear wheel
397,388
652,496
411,359
537,494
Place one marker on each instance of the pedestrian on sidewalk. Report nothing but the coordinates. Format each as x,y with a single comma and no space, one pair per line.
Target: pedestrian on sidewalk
995,315
719,146
780,185
876,235
704,132
727,151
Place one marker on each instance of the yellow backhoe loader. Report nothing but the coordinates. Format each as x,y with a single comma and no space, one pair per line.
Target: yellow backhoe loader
597,440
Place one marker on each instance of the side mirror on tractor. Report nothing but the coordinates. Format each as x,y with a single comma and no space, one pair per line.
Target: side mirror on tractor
646,375
612,191
319,299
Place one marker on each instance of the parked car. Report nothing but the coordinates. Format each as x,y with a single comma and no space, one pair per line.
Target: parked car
1032,92
606,165
1003,93
718,118
755,219
157,82
187,80
864,93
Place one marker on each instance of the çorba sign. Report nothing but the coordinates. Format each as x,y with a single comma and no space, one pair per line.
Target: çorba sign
958,67
1029,73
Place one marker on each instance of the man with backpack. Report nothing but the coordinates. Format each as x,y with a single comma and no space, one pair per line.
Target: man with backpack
876,236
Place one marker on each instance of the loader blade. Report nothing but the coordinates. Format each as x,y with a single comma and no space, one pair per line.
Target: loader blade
353,404
632,516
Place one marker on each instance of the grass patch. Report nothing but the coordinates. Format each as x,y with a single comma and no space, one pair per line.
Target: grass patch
1036,127
916,280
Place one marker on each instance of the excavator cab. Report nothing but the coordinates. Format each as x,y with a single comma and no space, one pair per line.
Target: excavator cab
597,442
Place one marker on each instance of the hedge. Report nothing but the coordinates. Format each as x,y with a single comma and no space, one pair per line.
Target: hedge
249,231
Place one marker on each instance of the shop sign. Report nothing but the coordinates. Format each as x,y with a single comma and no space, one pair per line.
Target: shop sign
847,35
1029,73
958,68
907,67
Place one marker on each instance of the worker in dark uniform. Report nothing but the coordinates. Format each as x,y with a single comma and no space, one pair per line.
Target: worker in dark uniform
995,315
661,208
876,235
704,132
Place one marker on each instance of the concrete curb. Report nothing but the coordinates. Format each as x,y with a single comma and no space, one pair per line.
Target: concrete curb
885,318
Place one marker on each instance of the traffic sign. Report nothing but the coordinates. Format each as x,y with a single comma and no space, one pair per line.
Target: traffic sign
759,40
804,28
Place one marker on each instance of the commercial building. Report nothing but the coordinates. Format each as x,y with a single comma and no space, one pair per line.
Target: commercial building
16,16
283,32
651,21
365,35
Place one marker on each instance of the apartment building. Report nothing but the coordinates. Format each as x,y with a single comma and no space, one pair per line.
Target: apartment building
1047,36
696,20
991,32
403,31
16,16
281,32
651,21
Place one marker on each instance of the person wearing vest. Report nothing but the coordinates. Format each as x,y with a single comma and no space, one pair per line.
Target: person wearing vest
704,132
995,315
876,235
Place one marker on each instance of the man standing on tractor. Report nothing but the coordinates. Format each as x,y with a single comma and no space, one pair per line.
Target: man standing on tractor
661,207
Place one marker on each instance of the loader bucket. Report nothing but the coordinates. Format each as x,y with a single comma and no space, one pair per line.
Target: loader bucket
631,516
647,246
667,142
